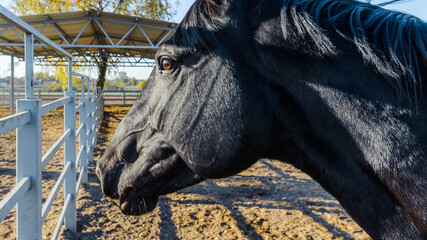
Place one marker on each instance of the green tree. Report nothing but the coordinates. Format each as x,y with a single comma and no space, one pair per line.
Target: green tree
121,80
154,9
109,84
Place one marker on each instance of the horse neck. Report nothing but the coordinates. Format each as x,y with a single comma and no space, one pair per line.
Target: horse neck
351,135
343,124
360,153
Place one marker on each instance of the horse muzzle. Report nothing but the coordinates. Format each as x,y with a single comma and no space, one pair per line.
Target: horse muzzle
136,184
134,203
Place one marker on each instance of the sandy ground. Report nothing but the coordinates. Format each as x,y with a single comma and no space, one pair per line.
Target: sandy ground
271,200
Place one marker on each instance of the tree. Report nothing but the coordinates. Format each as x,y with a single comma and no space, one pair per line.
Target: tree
154,9
41,75
121,80
142,84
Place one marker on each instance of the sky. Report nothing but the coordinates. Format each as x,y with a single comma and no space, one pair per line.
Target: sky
415,7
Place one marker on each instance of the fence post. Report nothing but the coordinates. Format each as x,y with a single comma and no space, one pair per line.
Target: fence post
28,164
94,111
70,156
83,133
95,118
124,97
89,128
70,152
28,154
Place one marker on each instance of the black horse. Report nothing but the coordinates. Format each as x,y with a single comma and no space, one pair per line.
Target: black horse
337,88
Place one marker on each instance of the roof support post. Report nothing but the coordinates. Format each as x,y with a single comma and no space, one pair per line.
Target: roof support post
89,136
70,74
12,86
29,66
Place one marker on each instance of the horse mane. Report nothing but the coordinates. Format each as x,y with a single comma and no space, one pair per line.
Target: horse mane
394,43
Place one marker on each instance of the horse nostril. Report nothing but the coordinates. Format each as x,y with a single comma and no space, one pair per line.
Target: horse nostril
124,194
110,191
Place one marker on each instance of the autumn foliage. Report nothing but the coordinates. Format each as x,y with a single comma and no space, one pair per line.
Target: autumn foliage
154,9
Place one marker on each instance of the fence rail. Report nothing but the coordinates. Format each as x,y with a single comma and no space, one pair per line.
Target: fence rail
13,196
27,194
112,97
11,122
48,107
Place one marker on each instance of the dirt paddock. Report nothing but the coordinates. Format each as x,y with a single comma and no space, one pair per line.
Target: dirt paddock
271,200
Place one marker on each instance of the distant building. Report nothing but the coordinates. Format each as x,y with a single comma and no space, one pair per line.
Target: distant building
38,81
4,81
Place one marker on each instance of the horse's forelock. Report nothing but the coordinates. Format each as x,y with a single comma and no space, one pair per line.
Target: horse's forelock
393,42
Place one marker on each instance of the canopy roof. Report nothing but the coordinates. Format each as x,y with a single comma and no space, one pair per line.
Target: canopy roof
89,35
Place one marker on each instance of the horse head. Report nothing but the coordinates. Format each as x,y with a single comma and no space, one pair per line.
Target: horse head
170,138
311,83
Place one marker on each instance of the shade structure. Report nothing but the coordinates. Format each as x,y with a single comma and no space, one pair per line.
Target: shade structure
90,35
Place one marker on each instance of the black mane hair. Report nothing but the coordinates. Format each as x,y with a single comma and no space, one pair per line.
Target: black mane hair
394,43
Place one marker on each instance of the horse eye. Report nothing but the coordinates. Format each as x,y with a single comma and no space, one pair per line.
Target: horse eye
166,64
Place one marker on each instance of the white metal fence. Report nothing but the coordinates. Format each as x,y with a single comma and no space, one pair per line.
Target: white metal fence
27,194
112,97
